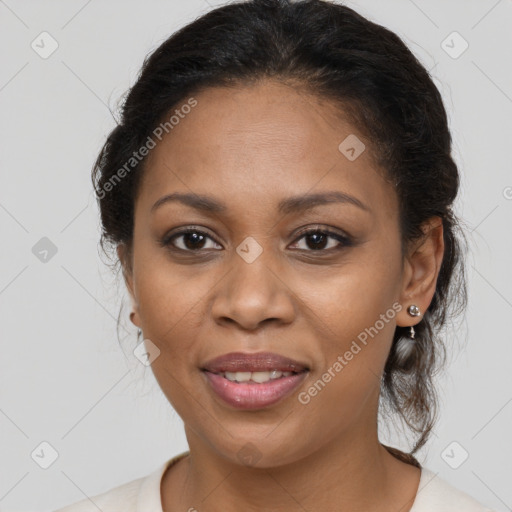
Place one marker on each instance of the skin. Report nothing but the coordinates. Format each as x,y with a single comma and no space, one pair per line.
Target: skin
250,147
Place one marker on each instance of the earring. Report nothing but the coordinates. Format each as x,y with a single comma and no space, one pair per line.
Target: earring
405,346
413,310
139,334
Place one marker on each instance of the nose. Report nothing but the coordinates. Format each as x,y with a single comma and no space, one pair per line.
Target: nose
252,294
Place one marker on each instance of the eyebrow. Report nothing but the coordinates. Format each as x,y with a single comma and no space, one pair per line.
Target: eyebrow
286,206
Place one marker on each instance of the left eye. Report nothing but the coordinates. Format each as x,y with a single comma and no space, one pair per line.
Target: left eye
320,239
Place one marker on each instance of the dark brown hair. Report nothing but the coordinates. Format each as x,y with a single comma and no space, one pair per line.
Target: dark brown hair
370,74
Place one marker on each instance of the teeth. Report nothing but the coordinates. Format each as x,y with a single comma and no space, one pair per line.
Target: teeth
258,377
263,376
275,374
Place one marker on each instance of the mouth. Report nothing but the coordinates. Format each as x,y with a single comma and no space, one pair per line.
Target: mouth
253,381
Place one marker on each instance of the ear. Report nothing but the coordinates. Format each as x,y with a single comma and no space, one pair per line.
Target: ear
126,265
421,270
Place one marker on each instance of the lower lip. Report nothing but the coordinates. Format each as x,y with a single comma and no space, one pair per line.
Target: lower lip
248,395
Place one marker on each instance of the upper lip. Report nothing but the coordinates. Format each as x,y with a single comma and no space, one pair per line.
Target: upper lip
259,361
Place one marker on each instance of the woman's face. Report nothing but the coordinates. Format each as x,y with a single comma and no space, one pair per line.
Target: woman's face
248,280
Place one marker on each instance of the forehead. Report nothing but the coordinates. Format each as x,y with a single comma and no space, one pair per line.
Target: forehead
258,144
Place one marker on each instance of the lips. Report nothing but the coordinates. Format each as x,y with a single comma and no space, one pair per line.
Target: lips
259,362
253,381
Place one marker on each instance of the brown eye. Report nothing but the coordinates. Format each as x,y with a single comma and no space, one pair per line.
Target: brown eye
318,240
192,240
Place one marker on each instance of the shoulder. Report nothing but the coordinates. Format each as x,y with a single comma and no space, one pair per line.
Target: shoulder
139,495
119,499
436,494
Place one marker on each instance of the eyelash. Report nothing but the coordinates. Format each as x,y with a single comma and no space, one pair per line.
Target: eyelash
344,240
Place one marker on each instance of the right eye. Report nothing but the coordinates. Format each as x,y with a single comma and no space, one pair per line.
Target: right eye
192,240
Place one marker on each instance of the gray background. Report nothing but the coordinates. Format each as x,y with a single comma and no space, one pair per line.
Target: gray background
63,377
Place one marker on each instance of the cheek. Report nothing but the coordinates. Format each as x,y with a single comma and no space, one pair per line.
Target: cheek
171,305
170,310
342,389
355,316
167,289
351,298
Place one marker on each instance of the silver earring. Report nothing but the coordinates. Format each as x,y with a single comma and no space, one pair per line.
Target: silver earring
139,334
413,310
405,346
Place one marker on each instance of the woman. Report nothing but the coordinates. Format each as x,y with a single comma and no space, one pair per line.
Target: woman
279,193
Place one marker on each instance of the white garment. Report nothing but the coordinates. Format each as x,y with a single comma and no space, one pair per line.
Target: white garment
143,495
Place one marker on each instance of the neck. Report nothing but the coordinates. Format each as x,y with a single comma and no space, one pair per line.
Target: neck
355,470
